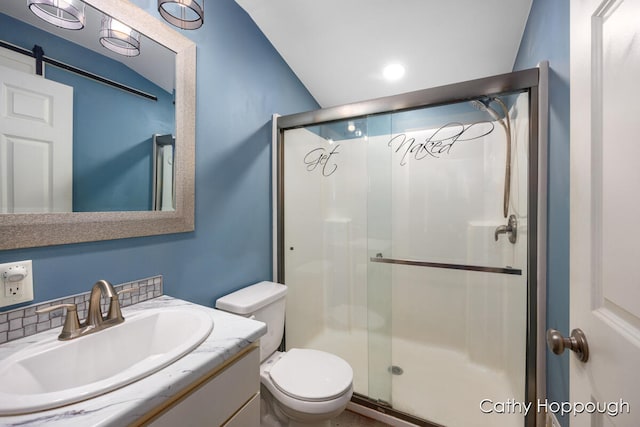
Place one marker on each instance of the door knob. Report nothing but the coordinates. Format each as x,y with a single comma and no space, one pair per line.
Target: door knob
577,342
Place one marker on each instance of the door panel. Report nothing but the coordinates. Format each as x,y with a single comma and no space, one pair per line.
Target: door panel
17,61
36,144
605,285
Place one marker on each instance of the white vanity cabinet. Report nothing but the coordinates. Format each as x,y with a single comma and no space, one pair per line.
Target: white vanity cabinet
228,397
215,384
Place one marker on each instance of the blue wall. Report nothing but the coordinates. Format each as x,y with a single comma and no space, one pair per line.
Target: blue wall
241,82
112,141
547,37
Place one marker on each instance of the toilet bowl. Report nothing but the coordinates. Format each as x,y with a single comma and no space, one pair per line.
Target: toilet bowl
299,386
310,385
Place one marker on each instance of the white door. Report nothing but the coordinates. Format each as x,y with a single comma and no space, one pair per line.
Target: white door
36,144
605,208
17,61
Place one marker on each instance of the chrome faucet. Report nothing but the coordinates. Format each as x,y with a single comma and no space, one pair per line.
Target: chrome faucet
95,320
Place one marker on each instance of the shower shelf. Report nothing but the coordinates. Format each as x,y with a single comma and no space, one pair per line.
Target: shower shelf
499,270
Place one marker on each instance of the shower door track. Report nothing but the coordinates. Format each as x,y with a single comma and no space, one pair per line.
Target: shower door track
385,408
500,270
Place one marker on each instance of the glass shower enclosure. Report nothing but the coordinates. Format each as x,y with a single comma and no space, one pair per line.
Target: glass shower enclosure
408,239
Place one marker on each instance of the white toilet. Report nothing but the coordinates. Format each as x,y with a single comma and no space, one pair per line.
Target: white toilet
300,386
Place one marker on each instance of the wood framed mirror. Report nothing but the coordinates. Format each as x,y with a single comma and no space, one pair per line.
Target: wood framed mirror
23,230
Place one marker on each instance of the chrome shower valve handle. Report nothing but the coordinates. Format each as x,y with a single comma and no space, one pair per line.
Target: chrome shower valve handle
511,229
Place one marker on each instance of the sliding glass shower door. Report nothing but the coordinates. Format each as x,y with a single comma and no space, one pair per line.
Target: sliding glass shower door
456,297
405,246
325,243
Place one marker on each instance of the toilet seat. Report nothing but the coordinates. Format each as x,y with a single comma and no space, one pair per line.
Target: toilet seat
311,375
303,404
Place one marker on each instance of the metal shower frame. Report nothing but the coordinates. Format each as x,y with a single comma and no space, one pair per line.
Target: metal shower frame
534,81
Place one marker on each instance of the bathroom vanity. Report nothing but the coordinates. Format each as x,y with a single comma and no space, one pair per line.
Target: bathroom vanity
217,383
228,397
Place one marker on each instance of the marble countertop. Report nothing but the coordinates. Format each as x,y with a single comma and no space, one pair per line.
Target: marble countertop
125,405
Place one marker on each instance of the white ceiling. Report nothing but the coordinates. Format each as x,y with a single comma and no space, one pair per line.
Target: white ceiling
338,48
155,62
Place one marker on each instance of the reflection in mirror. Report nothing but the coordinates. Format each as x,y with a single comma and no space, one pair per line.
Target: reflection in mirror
163,172
108,125
67,14
81,139
120,38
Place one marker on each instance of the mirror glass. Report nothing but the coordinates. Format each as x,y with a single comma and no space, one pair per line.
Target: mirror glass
113,139
175,150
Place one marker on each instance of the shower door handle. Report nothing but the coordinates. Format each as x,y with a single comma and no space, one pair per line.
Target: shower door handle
577,343
506,270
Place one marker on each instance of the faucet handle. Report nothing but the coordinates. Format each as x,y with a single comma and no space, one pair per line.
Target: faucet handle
69,307
71,327
115,313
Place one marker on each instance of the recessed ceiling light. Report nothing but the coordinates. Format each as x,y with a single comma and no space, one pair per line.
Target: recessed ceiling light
393,72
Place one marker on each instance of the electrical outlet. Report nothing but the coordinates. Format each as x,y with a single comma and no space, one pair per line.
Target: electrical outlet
13,290
16,283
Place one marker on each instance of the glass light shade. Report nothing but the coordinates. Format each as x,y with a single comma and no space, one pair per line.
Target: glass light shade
67,14
119,38
184,14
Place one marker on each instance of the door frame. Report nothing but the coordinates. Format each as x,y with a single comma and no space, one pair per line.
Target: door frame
533,80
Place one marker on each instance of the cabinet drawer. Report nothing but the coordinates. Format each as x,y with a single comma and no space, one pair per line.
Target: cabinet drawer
248,416
215,401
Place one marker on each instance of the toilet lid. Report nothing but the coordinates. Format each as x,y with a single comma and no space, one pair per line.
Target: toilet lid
311,375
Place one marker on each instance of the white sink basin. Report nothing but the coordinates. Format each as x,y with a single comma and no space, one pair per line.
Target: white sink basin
53,373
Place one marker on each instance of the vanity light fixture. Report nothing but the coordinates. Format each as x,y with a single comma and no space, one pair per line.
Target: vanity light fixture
184,14
67,14
119,38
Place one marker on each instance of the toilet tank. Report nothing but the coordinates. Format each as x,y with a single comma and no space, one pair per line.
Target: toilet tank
265,301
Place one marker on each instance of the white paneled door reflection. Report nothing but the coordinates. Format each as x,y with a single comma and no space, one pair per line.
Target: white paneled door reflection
36,144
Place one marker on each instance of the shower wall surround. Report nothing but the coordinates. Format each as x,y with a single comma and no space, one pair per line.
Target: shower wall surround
23,322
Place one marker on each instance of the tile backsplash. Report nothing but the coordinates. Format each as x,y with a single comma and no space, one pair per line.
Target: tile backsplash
24,321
